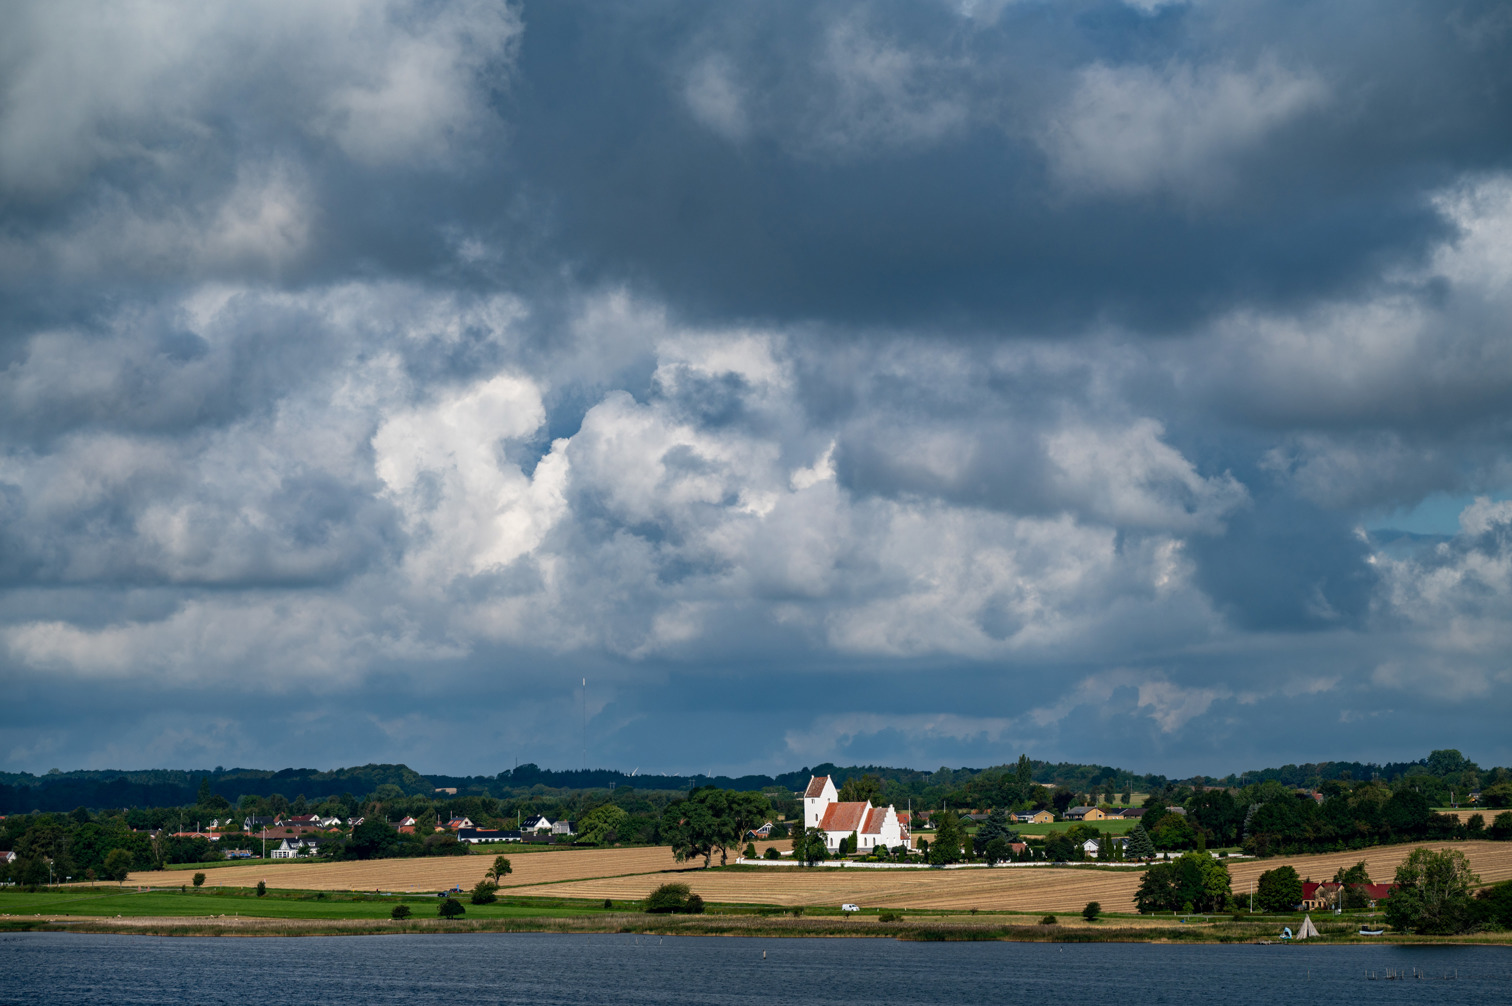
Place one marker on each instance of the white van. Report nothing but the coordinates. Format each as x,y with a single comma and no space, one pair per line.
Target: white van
847,907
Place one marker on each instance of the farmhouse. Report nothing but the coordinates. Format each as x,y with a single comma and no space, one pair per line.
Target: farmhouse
1326,894
1034,817
872,826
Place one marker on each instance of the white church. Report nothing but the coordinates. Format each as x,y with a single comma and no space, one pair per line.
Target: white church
873,826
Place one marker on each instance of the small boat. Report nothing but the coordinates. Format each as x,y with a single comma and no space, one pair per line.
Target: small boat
1372,932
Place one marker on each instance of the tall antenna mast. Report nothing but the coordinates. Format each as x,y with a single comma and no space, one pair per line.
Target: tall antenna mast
585,724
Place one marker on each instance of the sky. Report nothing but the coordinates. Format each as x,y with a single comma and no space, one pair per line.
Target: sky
920,384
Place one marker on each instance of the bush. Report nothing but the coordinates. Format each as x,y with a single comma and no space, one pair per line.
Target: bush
262,888
199,880
451,908
670,899
1049,920
608,902
484,893
695,905
771,853
400,912
750,850
1092,911
889,917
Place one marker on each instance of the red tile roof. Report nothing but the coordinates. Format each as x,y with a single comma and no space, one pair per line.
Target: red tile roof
816,786
844,816
874,820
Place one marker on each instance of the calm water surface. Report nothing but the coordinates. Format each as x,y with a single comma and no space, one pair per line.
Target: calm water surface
545,969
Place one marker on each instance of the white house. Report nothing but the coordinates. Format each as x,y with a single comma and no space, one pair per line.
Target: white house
290,848
873,826
6,856
537,824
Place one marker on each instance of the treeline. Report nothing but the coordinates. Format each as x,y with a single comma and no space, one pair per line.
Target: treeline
22,792
1440,777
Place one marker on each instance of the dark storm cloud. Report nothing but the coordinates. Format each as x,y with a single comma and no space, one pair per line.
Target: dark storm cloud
984,368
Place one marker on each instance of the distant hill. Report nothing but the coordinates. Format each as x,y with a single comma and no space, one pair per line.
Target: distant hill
61,791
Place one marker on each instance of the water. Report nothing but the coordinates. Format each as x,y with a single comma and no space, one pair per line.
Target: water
546,969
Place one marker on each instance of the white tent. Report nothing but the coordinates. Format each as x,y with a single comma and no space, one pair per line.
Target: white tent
1308,929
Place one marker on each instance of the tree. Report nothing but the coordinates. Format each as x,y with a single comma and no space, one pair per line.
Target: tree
996,851
1353,881
262,888
199,880
996,826
946,848
117,865
601,825
1501,826
400,912
499,870
451,908
853,844
1140,846
374,838
1433,894
669,899
1061,849
1194,879
1279,890
1092,911
809,846
866,787
484,893
1493,905
1497,795
203,796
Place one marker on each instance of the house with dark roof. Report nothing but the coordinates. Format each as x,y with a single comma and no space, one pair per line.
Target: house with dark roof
872,826
1084,814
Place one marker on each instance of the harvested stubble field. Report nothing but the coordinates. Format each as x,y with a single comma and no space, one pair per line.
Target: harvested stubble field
630,874
402,875
1492,860
1004,889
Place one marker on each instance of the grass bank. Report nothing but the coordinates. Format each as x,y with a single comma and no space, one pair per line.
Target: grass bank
314,913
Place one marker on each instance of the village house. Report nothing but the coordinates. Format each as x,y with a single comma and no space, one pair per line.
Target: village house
1034,817
872,826
407,826
291,848
458,823
7,856
1084,814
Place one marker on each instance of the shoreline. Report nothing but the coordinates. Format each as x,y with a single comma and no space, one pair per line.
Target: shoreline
914,930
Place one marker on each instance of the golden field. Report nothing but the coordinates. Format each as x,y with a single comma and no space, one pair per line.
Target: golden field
1029,889
402,875
630,874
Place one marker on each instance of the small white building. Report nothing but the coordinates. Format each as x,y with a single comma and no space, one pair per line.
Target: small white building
873,826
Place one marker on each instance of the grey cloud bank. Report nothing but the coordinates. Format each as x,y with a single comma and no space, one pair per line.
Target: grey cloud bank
912,383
